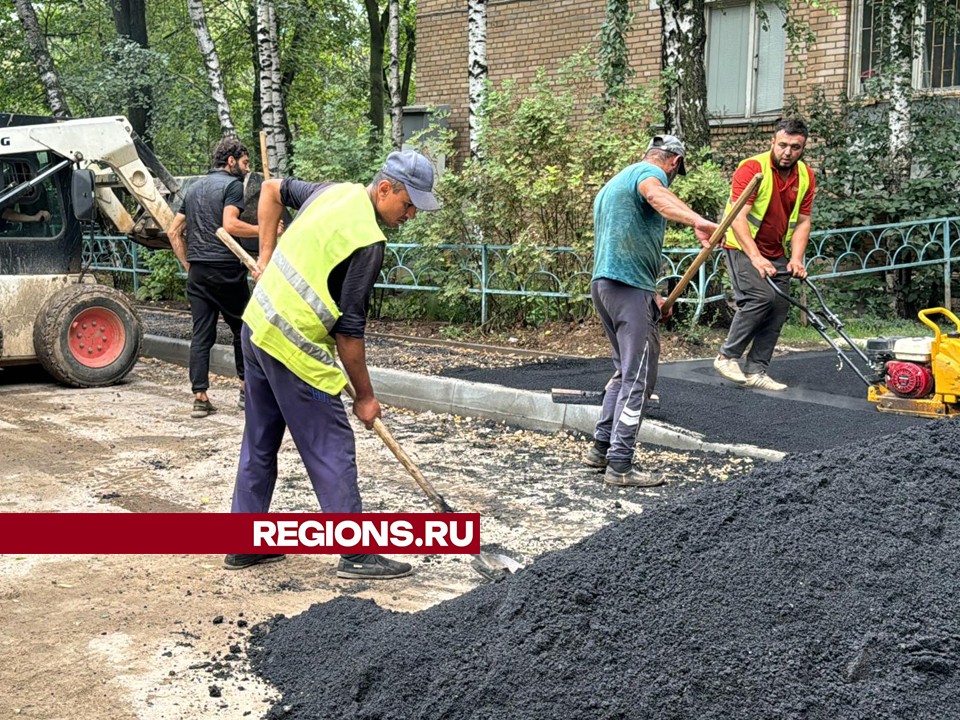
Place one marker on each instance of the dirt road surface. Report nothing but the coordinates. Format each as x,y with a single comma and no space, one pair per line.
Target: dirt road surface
164,637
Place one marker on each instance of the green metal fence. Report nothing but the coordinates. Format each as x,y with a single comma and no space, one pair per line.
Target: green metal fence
490,271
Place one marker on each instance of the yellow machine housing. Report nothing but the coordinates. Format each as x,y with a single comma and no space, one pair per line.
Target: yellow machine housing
945,366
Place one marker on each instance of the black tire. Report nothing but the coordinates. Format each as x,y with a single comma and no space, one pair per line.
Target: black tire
99,353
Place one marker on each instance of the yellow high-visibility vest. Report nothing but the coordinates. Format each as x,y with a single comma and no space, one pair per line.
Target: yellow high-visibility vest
291,312
762,201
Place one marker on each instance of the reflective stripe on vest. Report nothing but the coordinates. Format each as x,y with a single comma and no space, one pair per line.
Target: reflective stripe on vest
764,195
291,312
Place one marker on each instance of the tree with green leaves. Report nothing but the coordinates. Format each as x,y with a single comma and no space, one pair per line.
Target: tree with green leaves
684,74
130,19
271,87
476,69
56,98
212,63
614,61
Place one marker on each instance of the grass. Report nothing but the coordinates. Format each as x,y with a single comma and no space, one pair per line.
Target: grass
867,327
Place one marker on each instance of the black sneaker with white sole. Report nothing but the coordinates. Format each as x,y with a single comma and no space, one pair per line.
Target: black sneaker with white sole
371,567
631,476
239,562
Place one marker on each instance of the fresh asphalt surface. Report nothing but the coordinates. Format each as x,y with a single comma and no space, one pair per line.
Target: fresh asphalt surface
822,407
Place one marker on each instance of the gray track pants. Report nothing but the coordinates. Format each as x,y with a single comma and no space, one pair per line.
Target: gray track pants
629,316
760,312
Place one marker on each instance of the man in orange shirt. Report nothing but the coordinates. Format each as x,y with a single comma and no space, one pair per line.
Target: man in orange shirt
755,248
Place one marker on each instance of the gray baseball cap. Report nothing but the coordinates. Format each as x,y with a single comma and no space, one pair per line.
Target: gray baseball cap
416,173
670,144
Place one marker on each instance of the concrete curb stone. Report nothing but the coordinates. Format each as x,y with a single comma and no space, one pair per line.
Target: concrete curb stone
523,408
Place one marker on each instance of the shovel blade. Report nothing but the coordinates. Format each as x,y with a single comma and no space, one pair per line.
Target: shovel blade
494,566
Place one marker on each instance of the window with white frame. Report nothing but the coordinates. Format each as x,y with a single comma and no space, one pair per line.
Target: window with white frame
745,61
936,66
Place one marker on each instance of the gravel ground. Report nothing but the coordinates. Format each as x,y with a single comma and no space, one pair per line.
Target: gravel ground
134,637
427,359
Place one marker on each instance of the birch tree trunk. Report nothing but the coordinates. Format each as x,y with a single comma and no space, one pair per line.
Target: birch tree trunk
899,74
37,43
476,69
271,88
685,89
396,107
212,63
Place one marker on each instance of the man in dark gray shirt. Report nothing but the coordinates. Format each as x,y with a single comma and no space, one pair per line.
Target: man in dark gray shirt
216,279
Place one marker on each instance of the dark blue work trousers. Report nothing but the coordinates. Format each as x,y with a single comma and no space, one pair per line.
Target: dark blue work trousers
276,399
630,317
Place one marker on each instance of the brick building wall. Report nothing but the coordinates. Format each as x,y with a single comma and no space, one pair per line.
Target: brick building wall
524,35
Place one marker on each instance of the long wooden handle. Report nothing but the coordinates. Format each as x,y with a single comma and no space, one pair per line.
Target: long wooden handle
237,250
715,239
398,452
265,161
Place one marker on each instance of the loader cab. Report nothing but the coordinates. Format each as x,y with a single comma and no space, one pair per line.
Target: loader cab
32,246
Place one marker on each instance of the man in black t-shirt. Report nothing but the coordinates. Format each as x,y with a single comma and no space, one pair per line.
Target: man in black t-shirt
216,279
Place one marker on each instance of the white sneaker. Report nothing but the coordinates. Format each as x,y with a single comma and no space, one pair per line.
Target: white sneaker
762,381
730,369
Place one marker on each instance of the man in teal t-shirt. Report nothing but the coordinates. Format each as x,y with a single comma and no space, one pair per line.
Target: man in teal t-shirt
629,217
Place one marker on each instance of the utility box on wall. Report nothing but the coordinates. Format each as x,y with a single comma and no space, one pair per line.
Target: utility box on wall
416,119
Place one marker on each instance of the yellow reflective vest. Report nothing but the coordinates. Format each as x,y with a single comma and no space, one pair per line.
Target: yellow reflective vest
762,201
291,312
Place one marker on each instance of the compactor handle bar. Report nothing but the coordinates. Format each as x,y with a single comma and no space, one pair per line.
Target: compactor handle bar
821,327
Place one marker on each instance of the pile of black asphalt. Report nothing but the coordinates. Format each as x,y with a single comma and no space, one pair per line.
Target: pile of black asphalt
822,407
822,587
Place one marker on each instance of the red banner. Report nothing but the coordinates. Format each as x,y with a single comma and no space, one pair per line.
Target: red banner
239,533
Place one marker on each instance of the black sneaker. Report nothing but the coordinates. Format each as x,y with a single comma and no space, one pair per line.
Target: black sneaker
239,562
597,457
202,408
372,567
653,402
631,476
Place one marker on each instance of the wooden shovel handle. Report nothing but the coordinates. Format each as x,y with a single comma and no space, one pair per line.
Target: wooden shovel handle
394,446
715,239
238,250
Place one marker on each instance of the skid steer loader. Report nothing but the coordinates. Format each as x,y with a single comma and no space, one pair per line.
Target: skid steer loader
57,178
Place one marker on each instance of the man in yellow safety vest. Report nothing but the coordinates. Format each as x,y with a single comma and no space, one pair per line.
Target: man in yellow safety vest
774,222
310,304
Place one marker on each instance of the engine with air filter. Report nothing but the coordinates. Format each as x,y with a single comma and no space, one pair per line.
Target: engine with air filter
909,374
908,379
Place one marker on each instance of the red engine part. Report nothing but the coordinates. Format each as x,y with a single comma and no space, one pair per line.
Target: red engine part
908,379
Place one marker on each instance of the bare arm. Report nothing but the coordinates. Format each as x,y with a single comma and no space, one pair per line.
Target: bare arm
14,216
798,247
269,212
235,226
353,355
673,208
178,240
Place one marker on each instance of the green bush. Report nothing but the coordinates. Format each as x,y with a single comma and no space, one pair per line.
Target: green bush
164,281
339,152
857,181
547,150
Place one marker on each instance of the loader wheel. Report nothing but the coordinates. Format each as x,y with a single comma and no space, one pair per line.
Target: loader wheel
88,336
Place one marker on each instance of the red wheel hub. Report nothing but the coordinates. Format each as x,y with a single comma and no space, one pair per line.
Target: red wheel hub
96,337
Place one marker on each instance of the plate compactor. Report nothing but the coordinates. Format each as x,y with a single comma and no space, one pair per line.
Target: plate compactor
917,376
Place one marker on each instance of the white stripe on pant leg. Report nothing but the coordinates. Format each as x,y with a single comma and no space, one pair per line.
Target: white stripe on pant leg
631,418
